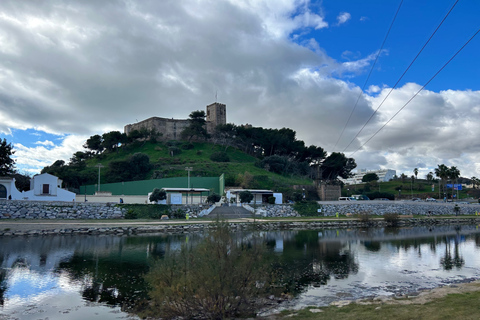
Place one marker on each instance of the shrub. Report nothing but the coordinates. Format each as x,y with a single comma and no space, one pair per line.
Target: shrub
307,208
158,195
213,198
174,151
131,214
271,200
219,278
246,197
220,157
188,146
391,219
365,218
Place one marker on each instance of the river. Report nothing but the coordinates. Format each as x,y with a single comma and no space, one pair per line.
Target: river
79,277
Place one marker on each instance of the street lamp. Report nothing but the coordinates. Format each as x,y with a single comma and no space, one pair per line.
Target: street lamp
188,169
99,166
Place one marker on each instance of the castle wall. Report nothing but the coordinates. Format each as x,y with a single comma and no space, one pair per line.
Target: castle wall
171,129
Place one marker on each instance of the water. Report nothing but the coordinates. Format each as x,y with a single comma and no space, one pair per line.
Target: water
78,277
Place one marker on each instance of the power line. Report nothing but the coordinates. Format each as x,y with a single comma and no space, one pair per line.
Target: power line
368,77
403,74
443,67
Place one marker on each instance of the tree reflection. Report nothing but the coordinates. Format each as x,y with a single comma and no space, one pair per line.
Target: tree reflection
315,263
3,285
447,261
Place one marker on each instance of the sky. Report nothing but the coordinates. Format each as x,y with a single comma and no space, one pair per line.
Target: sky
326,69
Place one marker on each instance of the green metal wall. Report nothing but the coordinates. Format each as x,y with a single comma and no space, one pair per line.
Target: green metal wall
143,187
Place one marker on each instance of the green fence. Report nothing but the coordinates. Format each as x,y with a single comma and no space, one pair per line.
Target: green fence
143,187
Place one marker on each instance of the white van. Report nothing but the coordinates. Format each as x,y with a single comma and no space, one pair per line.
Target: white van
344,199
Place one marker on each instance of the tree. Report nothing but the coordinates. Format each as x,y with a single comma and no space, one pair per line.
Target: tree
220,278
370,177
415,172
213,198
429,176
442,171
196,128
6,162
112,139
246,196
94,143
157,195
337,165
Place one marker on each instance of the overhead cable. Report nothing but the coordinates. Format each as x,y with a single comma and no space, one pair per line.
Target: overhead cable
423,87
368,77
401,77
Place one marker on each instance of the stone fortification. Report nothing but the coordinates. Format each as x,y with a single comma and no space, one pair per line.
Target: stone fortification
171,129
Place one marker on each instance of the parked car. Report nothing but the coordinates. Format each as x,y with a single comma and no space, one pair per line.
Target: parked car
431,200
416,199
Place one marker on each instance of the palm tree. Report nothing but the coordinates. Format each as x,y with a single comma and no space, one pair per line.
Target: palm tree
430,176
474,182
415,172
453,174
442,172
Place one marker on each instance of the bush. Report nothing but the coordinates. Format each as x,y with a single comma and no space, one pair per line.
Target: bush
218,279
365,218
307,208
391,219
246,197
220,157
174,151
271,200
157,195
131,214
213,198
188,146
145,211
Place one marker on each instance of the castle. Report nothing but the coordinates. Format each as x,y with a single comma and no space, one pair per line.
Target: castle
172,128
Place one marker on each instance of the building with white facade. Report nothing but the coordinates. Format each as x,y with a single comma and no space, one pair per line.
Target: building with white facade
384,175
43,187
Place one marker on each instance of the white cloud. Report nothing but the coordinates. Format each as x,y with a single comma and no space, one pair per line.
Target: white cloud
343,17
33,159
86,68
46,143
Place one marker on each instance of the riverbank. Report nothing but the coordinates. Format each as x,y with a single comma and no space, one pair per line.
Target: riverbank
130,227
458,301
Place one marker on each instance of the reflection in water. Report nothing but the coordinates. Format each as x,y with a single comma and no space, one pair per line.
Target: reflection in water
316,266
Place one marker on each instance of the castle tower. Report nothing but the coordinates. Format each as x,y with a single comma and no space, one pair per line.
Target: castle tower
216,114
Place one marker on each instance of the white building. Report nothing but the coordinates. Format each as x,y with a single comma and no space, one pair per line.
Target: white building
384,175
43,187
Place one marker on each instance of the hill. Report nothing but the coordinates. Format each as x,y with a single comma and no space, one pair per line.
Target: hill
152,160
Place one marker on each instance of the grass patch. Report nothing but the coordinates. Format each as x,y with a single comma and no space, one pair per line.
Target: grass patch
453,306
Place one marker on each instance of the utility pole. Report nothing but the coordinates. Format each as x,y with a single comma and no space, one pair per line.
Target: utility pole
99,166
188,169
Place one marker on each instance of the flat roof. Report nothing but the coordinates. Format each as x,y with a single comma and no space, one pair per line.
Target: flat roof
258,191
186,189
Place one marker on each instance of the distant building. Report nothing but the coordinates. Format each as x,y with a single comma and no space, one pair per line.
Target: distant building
384,175
172,128
43,187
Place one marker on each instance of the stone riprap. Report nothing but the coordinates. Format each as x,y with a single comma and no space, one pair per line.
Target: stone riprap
12,209
430,223
273,210
399,207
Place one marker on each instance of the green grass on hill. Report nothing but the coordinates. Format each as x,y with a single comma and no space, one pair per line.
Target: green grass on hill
198,158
